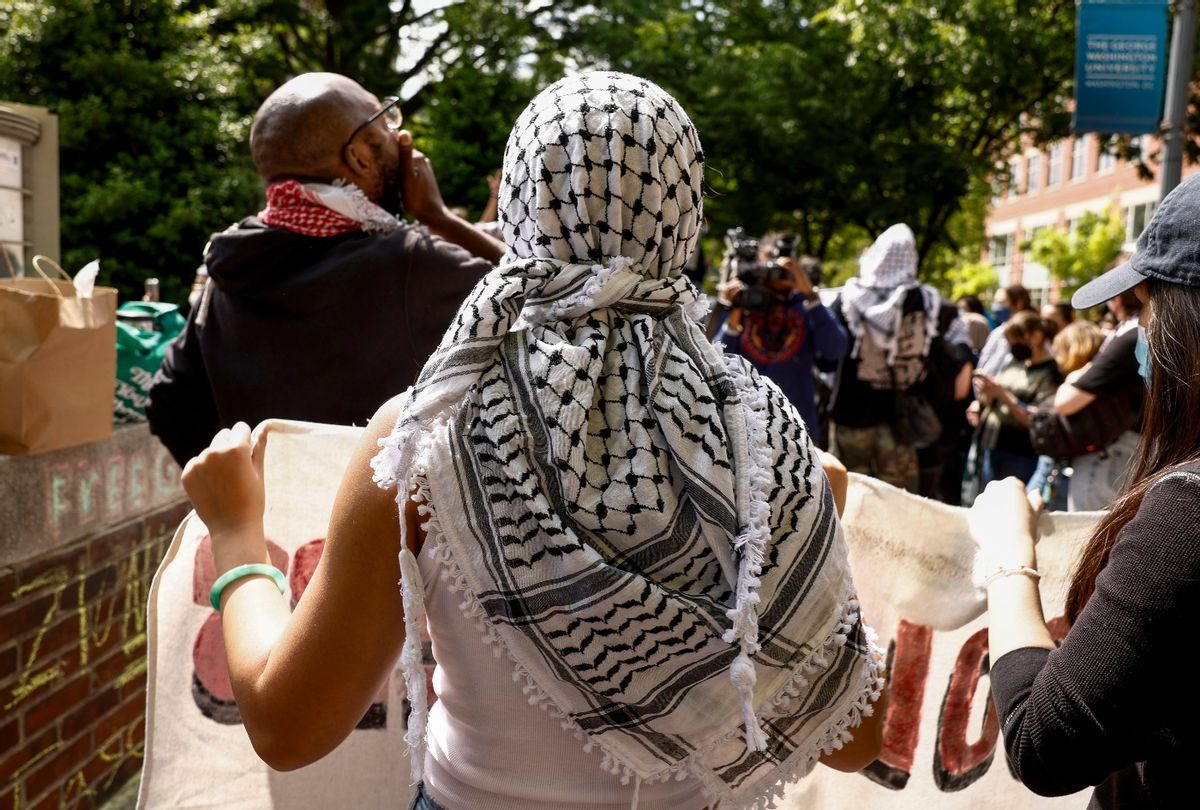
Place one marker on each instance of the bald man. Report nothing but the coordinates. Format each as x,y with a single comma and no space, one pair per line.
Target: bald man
325,304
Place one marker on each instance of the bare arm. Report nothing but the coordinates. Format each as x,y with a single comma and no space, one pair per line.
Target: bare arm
332,654
867,742
455,229
1069,400
490,211
423,199
962,383
1003,523
991,392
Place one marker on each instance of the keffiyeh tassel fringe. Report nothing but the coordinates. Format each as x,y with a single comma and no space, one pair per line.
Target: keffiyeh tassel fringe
412,591
752,543
833,738
399,464
840,732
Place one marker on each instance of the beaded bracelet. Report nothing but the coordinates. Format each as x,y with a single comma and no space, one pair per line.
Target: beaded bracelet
1022,570
241,572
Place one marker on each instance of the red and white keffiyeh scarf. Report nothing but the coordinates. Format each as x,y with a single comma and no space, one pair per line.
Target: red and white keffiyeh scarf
319,209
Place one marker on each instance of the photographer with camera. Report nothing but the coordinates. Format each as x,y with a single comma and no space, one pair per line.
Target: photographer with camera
776,319
326,303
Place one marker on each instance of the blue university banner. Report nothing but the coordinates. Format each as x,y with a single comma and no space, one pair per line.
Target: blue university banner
1120,61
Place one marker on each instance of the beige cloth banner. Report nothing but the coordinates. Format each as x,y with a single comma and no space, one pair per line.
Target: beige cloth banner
912,560
197,753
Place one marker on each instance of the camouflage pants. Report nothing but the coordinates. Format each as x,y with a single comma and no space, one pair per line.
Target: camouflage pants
874,451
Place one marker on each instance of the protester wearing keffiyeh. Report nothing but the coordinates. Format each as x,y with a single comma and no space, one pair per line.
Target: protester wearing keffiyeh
586,459
324,209
873,302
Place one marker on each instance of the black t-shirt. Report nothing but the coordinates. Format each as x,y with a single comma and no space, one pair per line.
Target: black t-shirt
1114,372
1114,369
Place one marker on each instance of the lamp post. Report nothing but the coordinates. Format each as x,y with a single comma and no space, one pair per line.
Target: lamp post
1179,76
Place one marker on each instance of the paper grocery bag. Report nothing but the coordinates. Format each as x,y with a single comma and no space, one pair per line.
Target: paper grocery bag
58,363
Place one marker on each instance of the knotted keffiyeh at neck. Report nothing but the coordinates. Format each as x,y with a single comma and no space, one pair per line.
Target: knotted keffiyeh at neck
874,301
321,209
638,522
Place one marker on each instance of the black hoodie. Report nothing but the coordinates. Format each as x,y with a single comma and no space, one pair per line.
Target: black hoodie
323,329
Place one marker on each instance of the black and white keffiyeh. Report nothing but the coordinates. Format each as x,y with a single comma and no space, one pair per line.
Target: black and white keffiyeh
873,302
639,522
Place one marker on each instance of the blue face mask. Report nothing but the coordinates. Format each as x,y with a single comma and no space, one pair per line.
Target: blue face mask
1142,352
1000,314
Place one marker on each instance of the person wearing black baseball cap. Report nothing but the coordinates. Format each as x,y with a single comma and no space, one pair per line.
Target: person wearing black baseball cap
1108,708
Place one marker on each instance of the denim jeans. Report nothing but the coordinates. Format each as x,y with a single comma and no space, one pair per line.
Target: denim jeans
1099,476
422,801
1051,482
998,464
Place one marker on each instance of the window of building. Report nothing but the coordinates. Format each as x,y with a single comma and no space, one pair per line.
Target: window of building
1078,155
1035,172
1000,250
1106,158
1054,169
1136,217
1014,177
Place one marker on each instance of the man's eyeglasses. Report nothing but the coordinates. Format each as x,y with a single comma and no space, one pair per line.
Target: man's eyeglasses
391,113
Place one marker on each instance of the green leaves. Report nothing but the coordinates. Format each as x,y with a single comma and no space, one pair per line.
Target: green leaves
1082,254
830,118
148,164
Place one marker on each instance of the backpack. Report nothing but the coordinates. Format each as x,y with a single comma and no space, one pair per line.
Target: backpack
908,368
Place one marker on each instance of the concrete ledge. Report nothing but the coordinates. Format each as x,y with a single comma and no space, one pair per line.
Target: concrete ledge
50,499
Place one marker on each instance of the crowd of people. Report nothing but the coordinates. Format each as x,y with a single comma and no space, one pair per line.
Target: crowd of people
941,398
636,511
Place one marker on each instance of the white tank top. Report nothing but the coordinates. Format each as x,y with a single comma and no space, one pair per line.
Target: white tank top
489,749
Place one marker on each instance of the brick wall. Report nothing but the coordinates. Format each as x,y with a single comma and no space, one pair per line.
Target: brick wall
73,593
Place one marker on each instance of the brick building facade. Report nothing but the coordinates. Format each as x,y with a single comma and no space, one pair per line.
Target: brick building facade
82,532
1053,188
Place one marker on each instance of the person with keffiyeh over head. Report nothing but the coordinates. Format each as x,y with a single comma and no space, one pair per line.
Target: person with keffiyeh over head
623,541
894,323
327,268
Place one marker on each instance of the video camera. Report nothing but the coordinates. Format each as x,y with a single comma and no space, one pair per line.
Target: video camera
755,275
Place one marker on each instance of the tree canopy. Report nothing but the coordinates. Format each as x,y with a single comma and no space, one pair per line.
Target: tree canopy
830,118
149,164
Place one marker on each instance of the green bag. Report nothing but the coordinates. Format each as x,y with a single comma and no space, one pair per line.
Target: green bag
144,329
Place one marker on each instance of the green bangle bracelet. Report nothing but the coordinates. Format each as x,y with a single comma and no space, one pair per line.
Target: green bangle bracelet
240,572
